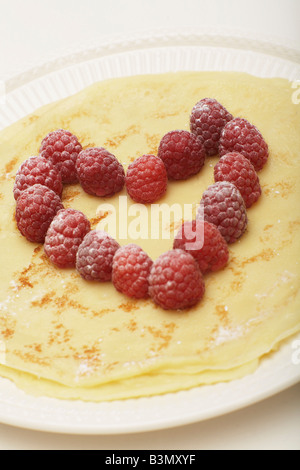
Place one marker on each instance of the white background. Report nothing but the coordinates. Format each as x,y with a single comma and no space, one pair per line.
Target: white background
33,32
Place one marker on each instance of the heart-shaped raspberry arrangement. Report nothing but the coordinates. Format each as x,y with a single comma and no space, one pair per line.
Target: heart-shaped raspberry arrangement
175,280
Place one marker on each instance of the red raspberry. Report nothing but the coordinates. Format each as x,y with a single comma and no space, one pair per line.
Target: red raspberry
146,179
182,153
175,280
237,169
222,205
61,147
205,243
36,207
95,256
65,234
131,269
99,172
239,135
37,170
208,117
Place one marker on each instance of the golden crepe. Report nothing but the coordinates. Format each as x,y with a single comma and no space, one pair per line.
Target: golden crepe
68,338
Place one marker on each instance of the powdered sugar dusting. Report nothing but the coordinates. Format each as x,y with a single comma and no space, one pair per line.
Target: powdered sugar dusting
225,334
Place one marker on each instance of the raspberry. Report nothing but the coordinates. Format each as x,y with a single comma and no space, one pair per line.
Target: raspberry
182,153
146,179
237,169
62,148
205,243
95,256
37,170
239,135
65,234
175,280
222,205
131,269
207,119
99,172
35,209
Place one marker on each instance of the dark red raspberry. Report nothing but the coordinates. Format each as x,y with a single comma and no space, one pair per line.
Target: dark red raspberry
175,280
182,153
37,170
146,179
131,269
35,209
95,256
237,169
239,135
222,205
99,172
205,243
62,148
66,232
207,119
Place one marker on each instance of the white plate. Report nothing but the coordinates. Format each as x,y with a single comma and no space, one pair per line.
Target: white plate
67,75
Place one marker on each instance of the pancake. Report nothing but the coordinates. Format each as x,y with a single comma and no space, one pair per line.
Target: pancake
68,338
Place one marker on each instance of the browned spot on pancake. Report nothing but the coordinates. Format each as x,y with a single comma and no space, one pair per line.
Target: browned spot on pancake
279,189
9,167
293,225
111,366
37,249
103,311
90,350
88,146
222,313
24,278
153,141
69,194
46,263
11,164
7,333
174,226
115,140
236,264
162,336
75,305
61,302
44,300
267,233
89,359
34,346
31,119
238,275
7,322
33,357
39,266
239,279
59,336
129,306
95,220
131,325
264,255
